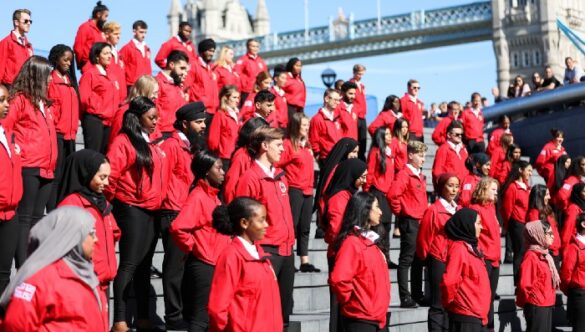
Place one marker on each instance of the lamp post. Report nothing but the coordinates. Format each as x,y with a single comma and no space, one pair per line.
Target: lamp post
328,77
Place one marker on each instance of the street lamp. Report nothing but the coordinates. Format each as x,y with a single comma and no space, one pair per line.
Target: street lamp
328,77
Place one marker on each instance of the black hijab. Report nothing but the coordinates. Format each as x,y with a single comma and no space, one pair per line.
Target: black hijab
461,227
345,176
80,167
576,195
560,172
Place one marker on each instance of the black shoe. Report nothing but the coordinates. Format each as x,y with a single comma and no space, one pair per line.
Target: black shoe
180,325
424,302
497,296
319,233
408,303
392,265
155,273
308,267
509,259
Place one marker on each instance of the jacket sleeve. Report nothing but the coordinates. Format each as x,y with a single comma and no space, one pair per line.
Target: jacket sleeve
246,187
426,233
508,204
25,315
335,210
373,166
570,261
223,289
439,163
4,55
569,226
232,176
13,117
526,282
396,191
161,56
563,195
439,134
453,275
214,136
314,132
121,158
53,95
542,158
91,102
183,227
347,263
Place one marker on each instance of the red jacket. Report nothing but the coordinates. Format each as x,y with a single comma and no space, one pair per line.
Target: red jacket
10,178
472,125
545,162
149,192
533,214
535,282
175,44
500,165
412,112
280,107
573,270
226,76
570,224
248,67
34,132
360,280
348,121
495,139
106,229
223,134
136,64
178,157
384,119
240,280
376,178
489,238
99,94
431,239
116,70
295,91
400,155
515,203
117,122
467,187
73,304
439,135
299,167
240,163
65,106
273,194
203,85
465,287
324,133
87,34
360,106
447,160
408,194
335,210
192,230
170,99
13,55
561,199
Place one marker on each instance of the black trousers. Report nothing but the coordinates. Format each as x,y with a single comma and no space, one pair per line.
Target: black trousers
438,320
301,206
494,275
463,323
576,309
516,230
362,130
8,241
36,191
64,148
137,244
172,270
358,325
407,261
95,134
284,268
473,146
335,318
385,220
198,277
538,319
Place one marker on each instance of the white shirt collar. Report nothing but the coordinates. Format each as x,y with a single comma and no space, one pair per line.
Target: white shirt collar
183,137
397,115
413,98
168,77
414,170
42,108
141,46
370,235
476,111
146,137
522,184
18,35
278,90
233,113
328,114
388,151
456,147
450,207
581,238
348,107
4,140
268,170
250,248
101,69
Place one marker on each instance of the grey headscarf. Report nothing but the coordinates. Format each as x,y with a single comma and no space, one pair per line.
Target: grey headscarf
58,235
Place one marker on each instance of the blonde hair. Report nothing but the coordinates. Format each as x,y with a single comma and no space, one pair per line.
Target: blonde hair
222,58
480,193
111,26
262,76
143,87
224,95
416,147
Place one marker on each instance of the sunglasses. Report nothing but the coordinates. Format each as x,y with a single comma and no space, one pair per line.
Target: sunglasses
27,21
457,134
415,87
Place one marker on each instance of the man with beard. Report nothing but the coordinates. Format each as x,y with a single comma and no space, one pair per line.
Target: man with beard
203,80
179,150
89,33
170,90
181,42
347,116
15,49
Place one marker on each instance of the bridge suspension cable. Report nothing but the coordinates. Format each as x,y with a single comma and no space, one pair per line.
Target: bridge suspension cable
573,37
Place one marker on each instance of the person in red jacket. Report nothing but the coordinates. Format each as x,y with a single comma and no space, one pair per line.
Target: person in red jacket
575,208
545,162
478,165
138,184
249,66
263,82
89,33
465,287
203,81
432,243
85,176
387,116
439,135
484,201
408,201
325,128
503,128
280,77
400,143
170,94
516,192
575,175
267,184
225,125
243,273
298,163
181,42
224,69
412,110
500,158
572,276
263,107
59,267
561,171
539,279
31,121
540,209
136,55
452,155
65,106
15,48
295,90
193,233
360,107
473,123
98,90
347,116
10,193
116,69
360,278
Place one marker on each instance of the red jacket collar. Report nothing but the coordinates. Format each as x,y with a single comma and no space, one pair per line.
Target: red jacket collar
57,79
278,173
206,188
245,254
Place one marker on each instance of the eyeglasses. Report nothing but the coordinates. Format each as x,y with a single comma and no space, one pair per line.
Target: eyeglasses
27,21
415,87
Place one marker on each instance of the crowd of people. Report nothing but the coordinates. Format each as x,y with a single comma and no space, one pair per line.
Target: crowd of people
218,159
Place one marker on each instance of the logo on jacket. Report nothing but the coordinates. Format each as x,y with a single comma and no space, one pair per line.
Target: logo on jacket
282,187
25,291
